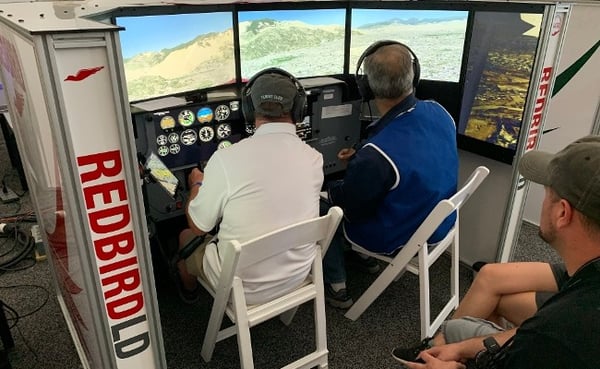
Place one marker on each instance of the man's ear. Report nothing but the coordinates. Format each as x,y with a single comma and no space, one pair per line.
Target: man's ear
564,213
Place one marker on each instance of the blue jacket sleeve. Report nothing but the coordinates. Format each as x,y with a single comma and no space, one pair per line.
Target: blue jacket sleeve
369,177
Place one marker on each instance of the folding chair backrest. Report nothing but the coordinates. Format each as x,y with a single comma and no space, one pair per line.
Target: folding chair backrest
229,293
470,185
284,239
446,207
426,257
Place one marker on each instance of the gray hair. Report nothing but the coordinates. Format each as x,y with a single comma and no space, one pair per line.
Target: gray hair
390,71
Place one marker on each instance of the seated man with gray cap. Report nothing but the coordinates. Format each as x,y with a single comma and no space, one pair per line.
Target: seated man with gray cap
563,332
258,185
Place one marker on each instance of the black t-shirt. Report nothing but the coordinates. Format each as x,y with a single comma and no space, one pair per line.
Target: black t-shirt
565,332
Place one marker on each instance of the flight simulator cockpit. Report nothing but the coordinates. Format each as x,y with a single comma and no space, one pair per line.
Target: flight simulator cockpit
185,67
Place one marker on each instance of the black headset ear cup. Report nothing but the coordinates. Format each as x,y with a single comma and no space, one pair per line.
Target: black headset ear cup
299,101
362,81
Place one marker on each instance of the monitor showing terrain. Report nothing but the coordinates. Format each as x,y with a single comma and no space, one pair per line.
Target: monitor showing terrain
501,57
302,42
437,37
170,54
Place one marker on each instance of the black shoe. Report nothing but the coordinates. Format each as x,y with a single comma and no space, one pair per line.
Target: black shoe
368,265
411,353
339,299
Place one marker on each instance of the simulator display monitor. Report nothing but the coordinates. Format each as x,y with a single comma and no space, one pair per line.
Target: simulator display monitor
171,54
437,37
303,42
499,66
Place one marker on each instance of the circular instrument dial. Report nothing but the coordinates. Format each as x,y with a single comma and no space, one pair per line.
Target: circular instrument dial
189,137
205,115
173,137
167,122
174,149
223,130
186,118
206,134
223,144
163,150
161,140
222,112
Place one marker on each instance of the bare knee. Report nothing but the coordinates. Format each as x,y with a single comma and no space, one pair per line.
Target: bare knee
488,275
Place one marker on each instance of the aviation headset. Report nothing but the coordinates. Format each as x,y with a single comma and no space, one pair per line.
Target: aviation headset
362,81
299,101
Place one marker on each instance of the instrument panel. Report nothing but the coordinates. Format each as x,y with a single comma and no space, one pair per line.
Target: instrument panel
190,134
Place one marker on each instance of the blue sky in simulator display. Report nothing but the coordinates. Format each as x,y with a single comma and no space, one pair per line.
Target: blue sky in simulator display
157,32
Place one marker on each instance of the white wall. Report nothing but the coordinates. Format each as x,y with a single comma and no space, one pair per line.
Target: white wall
574,108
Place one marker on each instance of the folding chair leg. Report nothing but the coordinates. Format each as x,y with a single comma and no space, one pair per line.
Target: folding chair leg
386,277
242,326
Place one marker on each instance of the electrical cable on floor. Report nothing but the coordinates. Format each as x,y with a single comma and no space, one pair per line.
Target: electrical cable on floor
14,315
23,246
18,316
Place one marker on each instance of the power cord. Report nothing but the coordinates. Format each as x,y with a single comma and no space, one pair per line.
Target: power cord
14,316
23,246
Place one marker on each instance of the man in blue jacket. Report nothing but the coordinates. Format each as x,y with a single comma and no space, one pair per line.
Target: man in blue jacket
408,164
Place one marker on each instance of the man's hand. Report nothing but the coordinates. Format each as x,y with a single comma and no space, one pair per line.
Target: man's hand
433,363
345,154
194,177
447,352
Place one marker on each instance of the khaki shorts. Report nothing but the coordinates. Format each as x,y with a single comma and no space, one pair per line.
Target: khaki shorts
457,330
195,262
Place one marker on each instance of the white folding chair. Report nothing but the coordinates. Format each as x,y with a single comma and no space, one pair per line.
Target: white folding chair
417,244
229,293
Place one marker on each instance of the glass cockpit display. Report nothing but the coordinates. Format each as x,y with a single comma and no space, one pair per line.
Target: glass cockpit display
498,76
170,54
303,42
437,37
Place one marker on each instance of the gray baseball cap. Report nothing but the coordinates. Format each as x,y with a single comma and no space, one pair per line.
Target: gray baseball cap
573,173
276,88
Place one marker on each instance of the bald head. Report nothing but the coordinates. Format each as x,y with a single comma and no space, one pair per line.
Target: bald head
390,71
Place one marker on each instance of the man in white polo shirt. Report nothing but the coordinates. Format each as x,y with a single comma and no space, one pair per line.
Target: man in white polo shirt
258,185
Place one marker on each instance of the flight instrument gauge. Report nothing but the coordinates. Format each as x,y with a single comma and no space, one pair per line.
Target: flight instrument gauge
173,137
205,115
206,134
161,140
188,137
167,122
186,118
163,150
222,112
223,144
174,149
223,130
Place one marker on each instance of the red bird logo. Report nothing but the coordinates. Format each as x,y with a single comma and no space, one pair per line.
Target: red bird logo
83,74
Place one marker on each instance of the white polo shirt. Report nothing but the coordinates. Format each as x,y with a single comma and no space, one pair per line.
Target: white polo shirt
258,185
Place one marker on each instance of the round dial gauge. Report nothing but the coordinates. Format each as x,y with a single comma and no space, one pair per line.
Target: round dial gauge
206,134
223,144
163,150
222,112
189,137
173,137
223,130
174,149
205,115
161,140
250,128
167,122
186,118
